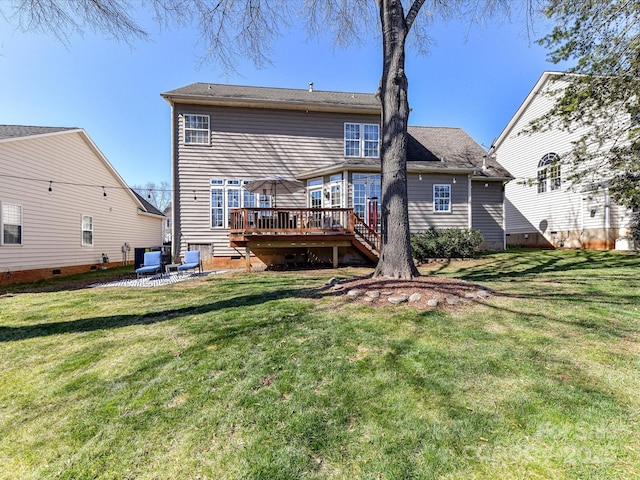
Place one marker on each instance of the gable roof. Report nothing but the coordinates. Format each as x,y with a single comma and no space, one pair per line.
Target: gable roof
537,88
20,131
148,206
267,97
433,149
9,133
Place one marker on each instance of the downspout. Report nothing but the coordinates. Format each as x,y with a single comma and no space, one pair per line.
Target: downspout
607,218
175,238
469,204
504,215
345,189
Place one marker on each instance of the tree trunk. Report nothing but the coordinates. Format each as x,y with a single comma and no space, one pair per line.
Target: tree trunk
396,260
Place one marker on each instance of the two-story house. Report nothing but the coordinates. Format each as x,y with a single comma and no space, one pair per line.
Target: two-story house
225,137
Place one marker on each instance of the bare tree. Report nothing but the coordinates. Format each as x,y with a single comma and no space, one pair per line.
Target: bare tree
232,28
157,195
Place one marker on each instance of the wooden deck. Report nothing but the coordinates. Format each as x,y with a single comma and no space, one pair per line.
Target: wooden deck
302,228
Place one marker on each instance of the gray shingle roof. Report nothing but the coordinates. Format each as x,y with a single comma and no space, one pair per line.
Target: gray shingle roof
442,147
147,205
17,131
432,149
244,94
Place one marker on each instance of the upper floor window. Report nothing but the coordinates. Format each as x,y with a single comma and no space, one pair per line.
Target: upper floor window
11,218
442,198
549,173
87,230
361,140
196,129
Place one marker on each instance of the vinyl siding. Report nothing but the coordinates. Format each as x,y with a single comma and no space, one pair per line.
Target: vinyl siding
487,214
52,228
420,195
247,144
566,209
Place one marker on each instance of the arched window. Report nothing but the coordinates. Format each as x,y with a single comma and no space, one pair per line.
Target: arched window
549,176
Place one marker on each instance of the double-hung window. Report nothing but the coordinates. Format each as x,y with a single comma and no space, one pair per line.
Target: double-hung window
361,140
11,218
442,198
87,230
196,129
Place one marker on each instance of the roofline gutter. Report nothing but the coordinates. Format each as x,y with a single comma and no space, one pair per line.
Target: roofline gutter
149,214
371,168
269,104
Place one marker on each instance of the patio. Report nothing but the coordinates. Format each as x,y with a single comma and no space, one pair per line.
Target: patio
159,280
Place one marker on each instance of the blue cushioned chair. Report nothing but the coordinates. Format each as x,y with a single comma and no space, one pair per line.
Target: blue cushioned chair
151,264
191,261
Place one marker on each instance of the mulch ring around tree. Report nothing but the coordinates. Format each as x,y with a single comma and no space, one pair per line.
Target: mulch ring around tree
424,292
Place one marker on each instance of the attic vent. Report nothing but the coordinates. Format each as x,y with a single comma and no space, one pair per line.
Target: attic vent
310,86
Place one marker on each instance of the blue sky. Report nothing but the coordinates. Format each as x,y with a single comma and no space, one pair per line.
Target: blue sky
473,78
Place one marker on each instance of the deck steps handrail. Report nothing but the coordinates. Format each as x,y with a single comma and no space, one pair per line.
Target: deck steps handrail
366,233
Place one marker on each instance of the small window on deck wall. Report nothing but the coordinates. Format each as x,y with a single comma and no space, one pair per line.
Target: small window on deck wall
549,174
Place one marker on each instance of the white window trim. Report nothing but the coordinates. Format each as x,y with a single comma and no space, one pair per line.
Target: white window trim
82,230
435,186
361,140
2,223
226,186
185,129
549,173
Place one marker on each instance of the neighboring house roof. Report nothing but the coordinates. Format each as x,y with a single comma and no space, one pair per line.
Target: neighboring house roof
19,131
266,97
148,207
12,133
433,149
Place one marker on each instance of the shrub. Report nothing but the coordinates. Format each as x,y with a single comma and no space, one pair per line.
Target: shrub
445,243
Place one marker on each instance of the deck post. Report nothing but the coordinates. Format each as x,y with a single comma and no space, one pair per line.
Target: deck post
335,256
247,258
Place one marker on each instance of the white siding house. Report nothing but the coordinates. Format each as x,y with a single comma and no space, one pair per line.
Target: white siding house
63,207
543,208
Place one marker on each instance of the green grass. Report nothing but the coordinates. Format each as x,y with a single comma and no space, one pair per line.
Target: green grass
256,376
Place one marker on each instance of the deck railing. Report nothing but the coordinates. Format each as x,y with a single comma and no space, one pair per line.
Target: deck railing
247,221
302,221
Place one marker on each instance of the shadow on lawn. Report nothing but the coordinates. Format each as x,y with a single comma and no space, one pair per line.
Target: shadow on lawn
534,263
8,334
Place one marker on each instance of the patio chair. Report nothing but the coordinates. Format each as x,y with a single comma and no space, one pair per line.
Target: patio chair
191,261
151,264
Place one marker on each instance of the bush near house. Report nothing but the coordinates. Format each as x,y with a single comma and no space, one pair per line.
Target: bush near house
445,243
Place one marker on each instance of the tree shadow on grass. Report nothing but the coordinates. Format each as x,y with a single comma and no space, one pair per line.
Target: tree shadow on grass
8,334
534,263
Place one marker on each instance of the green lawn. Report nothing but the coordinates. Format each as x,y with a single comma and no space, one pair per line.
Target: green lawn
256,376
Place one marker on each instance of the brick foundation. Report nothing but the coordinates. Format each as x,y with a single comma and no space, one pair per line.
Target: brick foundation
29,276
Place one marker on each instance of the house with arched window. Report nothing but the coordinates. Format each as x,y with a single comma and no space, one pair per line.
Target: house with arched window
543,208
